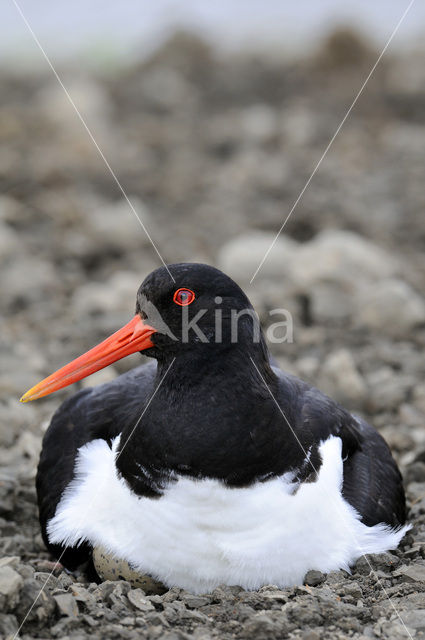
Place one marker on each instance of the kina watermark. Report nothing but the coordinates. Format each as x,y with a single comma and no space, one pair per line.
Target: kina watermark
220,324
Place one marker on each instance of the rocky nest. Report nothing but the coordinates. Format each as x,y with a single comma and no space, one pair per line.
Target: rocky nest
213,153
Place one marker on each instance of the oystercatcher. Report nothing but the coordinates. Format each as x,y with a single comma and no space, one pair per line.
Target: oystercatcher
210,465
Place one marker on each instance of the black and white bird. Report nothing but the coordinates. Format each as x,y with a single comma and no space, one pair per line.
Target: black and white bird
209,465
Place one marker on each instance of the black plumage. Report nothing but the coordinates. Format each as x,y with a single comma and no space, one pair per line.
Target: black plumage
220,410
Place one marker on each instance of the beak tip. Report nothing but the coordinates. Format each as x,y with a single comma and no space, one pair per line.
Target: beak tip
26,397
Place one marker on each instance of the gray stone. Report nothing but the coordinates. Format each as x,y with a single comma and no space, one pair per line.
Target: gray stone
8,626
341,380
83,595
415,472
313,578
416,491
258,123
36,603
393,308
115,295
9,561
414,619
353,590
378,561
411,573
386,390
334,256
195,601
44,280
240,257
330,302
138,599
66,605
261,627
10,585
114,225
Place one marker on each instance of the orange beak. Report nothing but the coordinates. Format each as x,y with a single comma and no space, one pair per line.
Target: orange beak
134,336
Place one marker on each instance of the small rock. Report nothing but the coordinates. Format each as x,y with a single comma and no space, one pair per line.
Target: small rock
414,619
275,595
373,562
341,380
258,123
66,605
158,619
334,256
416,491
386,389
392,308
10,585
64,580
415,472
411,573
335,577
114,225
8,626
44,604
261,627
240,257
138,599
419,397
117,294
46,579
313,578
330,302
194,601
40,273
353,590
10,561
410,416
83,595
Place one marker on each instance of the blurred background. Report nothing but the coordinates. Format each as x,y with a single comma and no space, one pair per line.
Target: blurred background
213,116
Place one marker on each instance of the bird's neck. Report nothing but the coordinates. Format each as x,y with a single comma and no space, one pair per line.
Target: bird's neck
208,417
215,366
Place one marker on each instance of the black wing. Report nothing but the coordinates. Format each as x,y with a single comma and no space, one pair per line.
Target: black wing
372,482
100,412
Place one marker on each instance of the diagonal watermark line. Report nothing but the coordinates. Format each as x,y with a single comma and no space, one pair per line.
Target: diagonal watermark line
90,134
341,124
92,500
377,578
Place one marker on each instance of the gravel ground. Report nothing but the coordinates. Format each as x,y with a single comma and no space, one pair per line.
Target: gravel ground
213,153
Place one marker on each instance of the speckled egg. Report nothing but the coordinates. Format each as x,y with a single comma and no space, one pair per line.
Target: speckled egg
109,567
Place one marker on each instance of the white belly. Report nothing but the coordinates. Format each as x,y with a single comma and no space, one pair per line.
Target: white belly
200,534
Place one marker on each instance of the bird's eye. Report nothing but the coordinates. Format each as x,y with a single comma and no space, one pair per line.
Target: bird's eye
183,297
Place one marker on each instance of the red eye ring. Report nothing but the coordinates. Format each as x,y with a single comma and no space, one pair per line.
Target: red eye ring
183,297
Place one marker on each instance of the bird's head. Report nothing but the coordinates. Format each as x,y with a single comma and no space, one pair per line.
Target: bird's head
188,308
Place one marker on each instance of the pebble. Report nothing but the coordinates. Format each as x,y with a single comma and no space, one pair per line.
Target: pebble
313,578
411,573
393,307
341,380
138,599
66,604
10,585
115,225
8,626
386,390
118,294
374,562
334,256
414,619
239,258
